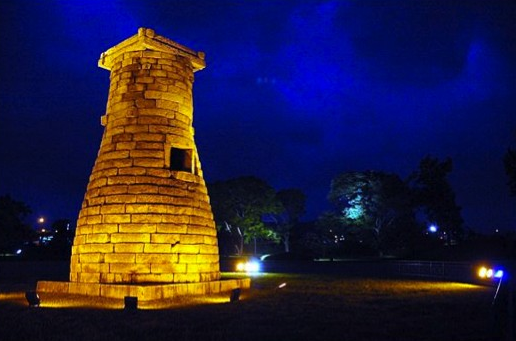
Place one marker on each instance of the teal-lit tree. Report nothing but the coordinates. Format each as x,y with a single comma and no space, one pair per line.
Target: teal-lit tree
374,207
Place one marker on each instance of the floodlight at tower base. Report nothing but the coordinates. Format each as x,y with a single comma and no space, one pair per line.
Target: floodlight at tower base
32,298
130,303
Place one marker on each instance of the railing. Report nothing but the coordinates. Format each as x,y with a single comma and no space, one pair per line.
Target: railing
453,271
463,271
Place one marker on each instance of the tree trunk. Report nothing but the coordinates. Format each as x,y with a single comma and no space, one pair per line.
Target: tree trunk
241,235
286,242
238,250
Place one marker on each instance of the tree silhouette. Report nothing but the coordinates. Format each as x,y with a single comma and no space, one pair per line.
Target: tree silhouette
238,207
293,202
510,169
435,196
13,230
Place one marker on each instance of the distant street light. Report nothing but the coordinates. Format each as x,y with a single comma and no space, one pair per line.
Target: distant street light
41,220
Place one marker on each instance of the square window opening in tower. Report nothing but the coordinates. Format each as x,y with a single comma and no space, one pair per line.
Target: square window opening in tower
181,159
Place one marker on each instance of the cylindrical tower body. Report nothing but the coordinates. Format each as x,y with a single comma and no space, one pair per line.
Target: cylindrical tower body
146,216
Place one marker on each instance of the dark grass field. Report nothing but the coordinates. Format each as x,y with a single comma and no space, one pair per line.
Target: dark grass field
309,307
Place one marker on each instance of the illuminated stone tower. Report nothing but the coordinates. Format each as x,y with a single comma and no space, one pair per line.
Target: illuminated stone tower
146,216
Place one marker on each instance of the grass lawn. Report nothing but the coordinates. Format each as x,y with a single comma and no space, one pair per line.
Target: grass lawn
309,307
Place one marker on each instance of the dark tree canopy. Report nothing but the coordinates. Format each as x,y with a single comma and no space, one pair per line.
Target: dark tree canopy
13,229
63,235
238,207
510,169
434,194
293,202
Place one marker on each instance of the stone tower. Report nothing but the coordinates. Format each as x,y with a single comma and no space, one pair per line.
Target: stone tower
146,216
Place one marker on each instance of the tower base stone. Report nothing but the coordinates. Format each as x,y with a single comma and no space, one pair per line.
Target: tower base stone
144,292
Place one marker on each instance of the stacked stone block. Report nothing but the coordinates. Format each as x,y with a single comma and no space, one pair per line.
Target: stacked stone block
146,216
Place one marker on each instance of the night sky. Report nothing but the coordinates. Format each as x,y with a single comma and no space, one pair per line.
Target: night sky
295,92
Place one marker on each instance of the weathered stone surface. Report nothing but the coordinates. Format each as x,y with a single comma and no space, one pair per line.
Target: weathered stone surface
112,209
94,267
101,228
87,277
91,258
156,258
129,268
111,190
130,238
88,289
98,238
165,238
134,248
95,248
186,239
57,287
168,268
172,229
138,227
188,258
157,248
120,258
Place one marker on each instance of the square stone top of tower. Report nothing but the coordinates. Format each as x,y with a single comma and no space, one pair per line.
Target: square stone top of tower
147,39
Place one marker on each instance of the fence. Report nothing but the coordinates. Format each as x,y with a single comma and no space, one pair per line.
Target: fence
456,271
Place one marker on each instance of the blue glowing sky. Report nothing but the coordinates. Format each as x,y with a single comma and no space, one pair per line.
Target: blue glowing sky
294,92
